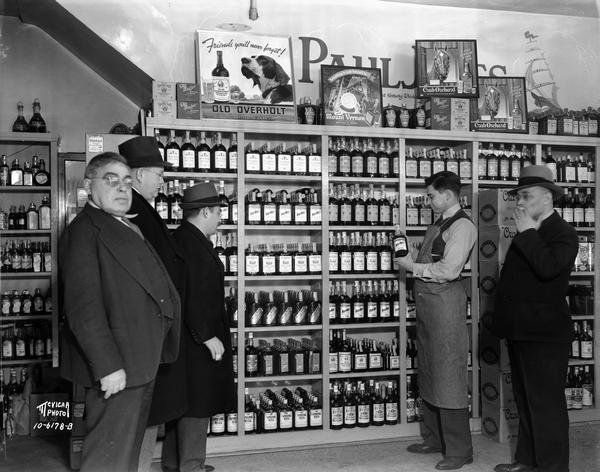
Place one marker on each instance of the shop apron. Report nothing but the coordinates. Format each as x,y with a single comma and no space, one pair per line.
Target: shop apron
442,337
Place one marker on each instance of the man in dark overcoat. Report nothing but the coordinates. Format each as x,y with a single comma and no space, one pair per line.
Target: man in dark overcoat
207,348
532,314
122,317
147,167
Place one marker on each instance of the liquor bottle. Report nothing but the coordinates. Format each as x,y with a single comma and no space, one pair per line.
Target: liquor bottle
359,209
384,302
269,208
438,164
268,159
252,261
453,163
334,213
385,209
224,209
345,255
285,311
4,172
569,171
371,304
358,253
357,159
411,165
299,161
503,164
334,256
344,207
188,162
377,404
384,164
550,163
370,160
578,210
284,160
332,161
492,168
253,207
161,146
357,304
314,161
220,79
16,173
172,152
218,155
314,260
350,407
391,404
425,165
372,206
20,124
517,114
400,243
467,77
251,355
37,123
284,208
576,342
285,261
589,210
252,159
161,204
344,160
176,212
394,152
299,208
232,158
203,155
582,170
41,177
344,306
587,342
336,409
21,219
315,212
385,253
587,387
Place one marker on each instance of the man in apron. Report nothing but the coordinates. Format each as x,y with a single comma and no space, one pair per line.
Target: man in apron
442,337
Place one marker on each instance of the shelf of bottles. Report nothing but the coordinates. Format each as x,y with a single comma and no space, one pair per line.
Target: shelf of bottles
28,245
275,239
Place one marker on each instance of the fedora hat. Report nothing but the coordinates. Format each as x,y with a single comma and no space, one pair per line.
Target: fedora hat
537,176
201,195
142,151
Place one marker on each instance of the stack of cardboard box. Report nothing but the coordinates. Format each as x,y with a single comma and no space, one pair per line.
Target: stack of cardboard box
172,100
496,229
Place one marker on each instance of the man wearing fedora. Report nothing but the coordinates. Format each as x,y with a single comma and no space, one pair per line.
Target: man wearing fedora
147,167
532,314
207,344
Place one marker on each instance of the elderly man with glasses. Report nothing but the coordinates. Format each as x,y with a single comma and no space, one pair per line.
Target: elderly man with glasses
122,313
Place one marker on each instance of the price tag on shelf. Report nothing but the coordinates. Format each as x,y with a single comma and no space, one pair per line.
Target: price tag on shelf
95,143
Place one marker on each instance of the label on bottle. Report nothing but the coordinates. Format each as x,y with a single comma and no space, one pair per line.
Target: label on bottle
220,160
349,414
233,263
492,167
504,168
284,363
270,420
224,214
515,170
300,316
411,169
465,169
299,363
316,215
173,157
452,166
268,265
391,411
359,213
438,166
396,309
345,164
233,158
333,213
424,168
345,311
300,419
358,261
410,409
364,414
426,216
333,362
286,419
217,423
221,89
252,361
568,214
345,361
589,216
162,208
372,261
570,173
204,160
5,306
314,263
360,361
7,348
588,395
299,164
300,214
284,163
394,362
587,350
270,213
372,311
345,213
582,174
412,216
300,264
252,162
20,348
378,412
578,216
346,261
285,264
316,417
357,164
285,213
189,159
314,164
254,213
384,167
358,311
267,359
332,163
252,264
385,311
269,162
248,421
373,213
232,422
234,213
385,214
333,262
575,349
372,165
386,261
396,165
337,416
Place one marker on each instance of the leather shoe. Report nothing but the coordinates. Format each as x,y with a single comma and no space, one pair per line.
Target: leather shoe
208,468
452,463
514,467
423,449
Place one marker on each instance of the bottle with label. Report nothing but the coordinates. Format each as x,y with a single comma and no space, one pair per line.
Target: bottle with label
20,125
172,152
31,218
16,173
4,172
232,158
188,162
252,159
37,123
503,164
251,355
384,161
492,172
467,77
161,204
203,153
337,409
517,114
41,176
218,155
161,146
220,79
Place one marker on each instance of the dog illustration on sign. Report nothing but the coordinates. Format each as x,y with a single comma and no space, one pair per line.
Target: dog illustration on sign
266,73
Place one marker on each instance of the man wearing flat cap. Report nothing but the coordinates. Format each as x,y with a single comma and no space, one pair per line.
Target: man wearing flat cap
207,344
147,167
532,314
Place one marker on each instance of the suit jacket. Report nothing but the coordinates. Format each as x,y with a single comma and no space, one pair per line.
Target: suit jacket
210,383
122,310
169,400
531,299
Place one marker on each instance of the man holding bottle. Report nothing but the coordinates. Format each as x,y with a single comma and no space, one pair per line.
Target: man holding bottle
207,346
123,317
147,167
442,337
532,314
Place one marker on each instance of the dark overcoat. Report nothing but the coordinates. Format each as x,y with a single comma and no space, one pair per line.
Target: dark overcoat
531,299
118,301
169,400
211,387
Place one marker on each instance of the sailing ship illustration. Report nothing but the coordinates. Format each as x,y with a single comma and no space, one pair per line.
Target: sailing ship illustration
539,79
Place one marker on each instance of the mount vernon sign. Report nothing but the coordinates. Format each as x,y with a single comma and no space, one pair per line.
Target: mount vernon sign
315,51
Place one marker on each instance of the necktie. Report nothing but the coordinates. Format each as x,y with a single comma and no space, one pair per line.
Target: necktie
439,221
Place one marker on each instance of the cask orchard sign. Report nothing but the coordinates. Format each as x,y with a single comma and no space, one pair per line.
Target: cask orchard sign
245,76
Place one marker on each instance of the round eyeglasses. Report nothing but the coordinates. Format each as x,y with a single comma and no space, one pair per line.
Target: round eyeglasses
113,180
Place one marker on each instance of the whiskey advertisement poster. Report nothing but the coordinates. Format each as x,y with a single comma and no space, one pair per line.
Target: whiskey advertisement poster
351,96
244,76
501,107
446,68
